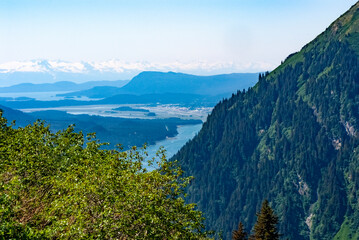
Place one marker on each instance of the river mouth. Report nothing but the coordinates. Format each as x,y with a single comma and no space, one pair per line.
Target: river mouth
174,144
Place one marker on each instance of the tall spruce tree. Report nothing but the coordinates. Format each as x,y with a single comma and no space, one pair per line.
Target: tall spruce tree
265,227
240,233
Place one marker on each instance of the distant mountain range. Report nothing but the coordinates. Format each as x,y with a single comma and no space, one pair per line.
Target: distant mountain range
59,86
145,88
44,71
50,71
171,82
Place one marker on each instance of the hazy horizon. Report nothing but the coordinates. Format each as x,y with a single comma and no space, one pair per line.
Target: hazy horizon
127,37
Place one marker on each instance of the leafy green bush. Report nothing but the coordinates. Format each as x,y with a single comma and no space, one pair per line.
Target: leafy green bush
61,186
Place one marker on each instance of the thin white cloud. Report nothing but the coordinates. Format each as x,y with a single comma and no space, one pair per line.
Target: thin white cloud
119,66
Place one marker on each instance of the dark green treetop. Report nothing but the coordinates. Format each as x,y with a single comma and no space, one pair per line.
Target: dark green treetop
266,225
240,233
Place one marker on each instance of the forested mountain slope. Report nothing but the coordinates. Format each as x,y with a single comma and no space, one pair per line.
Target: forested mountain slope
292,139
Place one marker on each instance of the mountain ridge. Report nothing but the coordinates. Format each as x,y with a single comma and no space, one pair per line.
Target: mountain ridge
338,30
59,86
188,83
44,71
154,82
292,138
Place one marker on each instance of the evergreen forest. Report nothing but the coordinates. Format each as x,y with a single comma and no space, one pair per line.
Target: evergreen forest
292,139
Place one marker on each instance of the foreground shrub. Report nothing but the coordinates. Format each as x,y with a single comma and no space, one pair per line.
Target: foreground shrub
61,186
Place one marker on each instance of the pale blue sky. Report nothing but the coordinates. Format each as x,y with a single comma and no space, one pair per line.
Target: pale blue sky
254,34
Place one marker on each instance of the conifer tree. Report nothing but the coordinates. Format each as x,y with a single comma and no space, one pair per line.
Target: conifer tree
240,233
265,227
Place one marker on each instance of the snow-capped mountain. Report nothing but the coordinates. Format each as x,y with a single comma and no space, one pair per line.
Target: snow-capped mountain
44,71
49,71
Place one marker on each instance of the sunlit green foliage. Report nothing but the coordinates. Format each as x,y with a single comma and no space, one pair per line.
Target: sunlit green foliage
59,185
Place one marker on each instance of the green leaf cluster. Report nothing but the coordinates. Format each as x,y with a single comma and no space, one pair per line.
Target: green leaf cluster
61,186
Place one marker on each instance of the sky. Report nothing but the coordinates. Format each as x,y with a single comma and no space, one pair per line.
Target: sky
229,35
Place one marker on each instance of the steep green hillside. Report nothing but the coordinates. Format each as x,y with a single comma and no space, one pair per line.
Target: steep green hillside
292,139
